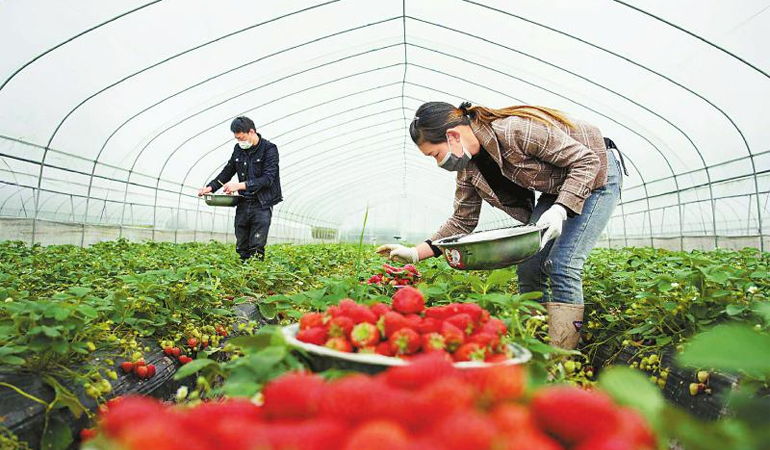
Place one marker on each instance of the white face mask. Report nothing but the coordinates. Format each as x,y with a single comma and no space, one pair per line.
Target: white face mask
244,144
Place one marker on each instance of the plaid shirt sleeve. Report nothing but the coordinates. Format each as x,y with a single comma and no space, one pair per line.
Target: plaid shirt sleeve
467,210
552,145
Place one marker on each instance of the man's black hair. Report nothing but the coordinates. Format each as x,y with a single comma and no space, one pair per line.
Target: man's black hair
242,125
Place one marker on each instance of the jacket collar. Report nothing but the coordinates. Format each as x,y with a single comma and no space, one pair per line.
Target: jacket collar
488,139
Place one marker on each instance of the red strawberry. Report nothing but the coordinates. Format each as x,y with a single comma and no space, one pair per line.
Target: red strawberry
408,301
341,326
572,414
494,358
141,372
365,334
610,442
445,396
494,326
311,320
453,336
432,342
404,342
127,366
378,435
184,359
413,321
375,279
175,351
295,395
421,370
86,434
411,269
308,435
383,348
340,344
139,362
484,317
470,351
465,430
438,312
379,309
317,335
429,325
533,439
125,414
150,370
634,427
167,351
192,342
349,398
512,418
497,384
390,322
472,310
462,321
334,311
361,314
347,304
486,340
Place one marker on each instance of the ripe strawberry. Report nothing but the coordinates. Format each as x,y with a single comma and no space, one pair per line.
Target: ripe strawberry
347,304
141,372
361,314
379,309
445,396
438,312
453,336
309,435
349,398
411,269
192,342
311,320
429,325
485,316
127,366
334,311
470,351
496,384
340,344
167,351
383,348
404,342
295,395
634,427
486,340
610,442
390,322
413,321
572,414
472,309
139,362
375,279
494,358
175,351
341,326
378,435
365,334
512,418
86,434
184,359
432,342
408,301
462,321
422,370
533,439
316,335
465,430
494,326
150,370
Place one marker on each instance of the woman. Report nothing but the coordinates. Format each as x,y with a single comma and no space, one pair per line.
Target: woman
503,156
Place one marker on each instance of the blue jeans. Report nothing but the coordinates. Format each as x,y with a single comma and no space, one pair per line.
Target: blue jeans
561,261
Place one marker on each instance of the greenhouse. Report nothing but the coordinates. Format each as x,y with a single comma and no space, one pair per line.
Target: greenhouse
231,225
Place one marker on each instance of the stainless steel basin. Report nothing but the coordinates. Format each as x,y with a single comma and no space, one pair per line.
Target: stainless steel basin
493,249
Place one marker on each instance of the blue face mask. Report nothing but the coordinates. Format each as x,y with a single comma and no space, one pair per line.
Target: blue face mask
452,162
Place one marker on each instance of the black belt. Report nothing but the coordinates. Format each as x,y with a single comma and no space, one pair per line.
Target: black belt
610,145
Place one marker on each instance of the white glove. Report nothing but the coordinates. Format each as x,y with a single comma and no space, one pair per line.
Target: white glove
552,219
399,252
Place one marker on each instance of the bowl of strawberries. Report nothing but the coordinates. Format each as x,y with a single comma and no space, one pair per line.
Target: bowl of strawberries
370,338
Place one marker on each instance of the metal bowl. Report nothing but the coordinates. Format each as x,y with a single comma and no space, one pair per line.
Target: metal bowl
321,358
221,199
493,249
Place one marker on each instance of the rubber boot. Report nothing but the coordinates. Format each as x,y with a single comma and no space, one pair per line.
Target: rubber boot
564,323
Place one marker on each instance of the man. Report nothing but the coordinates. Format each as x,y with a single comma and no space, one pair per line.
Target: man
255,160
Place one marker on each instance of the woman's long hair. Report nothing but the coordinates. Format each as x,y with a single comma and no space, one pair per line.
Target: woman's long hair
433,119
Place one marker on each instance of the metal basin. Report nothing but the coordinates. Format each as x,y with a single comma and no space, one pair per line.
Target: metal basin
493,249
221,199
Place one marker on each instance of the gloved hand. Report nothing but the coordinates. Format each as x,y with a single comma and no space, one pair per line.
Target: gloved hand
552,219
399,252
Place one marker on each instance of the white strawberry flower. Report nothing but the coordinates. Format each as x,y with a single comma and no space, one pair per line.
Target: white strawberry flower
181,393
753,290
675,285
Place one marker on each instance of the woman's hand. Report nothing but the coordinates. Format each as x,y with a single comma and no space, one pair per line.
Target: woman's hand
552,219
399,252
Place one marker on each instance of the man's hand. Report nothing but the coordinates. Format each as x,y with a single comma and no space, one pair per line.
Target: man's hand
552,220
233,187
204,190
399,252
